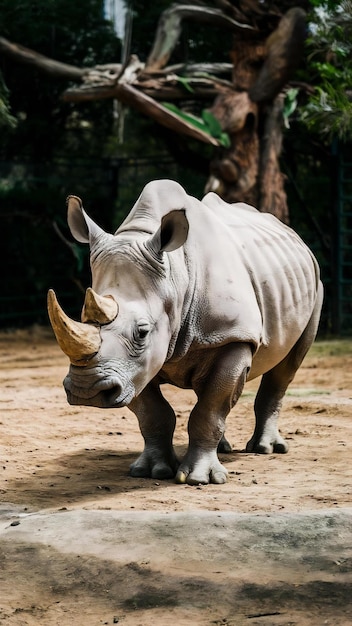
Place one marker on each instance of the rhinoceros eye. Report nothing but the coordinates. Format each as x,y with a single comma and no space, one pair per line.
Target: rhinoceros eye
143,329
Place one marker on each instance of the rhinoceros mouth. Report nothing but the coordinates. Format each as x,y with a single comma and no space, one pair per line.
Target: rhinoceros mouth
111,396
107,399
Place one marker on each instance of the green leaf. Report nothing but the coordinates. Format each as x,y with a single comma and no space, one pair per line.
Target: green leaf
224,140
207,123
327,70
185,83
212,123
187,117
215,129
197,122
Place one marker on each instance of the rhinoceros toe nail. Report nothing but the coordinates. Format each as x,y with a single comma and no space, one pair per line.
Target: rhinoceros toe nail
181,478
219,478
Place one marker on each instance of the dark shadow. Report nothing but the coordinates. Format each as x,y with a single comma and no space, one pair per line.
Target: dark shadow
84,475
101,585
80,476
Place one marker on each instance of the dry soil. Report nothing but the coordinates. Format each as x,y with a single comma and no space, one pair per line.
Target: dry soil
55,457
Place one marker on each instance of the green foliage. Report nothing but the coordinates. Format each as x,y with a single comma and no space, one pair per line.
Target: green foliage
185,82
328,110
207,123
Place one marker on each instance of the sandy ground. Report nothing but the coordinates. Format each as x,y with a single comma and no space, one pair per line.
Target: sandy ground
59,459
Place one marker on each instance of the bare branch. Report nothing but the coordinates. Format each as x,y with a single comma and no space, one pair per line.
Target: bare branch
102,74
55,68
169,29
194,69
158,88
129,95
198,84
105,81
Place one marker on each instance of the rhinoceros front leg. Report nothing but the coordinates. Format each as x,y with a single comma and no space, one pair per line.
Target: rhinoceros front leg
218,390
157,424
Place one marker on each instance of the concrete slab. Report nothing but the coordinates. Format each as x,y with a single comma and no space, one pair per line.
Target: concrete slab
207,567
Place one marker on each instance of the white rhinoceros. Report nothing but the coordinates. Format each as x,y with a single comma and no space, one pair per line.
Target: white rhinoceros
199,294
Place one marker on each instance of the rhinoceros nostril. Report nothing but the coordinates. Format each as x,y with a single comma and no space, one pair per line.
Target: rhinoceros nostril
112,394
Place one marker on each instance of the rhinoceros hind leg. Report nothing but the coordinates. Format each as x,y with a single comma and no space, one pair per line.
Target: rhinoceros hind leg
224,446
266,438
273,442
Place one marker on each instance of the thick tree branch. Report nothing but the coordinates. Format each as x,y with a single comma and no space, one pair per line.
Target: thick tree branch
105,81
194,69
170,26
129,95
160,87
55,68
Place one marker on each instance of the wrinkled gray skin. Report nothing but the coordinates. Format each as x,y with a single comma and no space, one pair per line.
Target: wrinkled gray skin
236,296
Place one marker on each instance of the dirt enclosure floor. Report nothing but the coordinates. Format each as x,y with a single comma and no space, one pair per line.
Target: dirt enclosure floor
82,542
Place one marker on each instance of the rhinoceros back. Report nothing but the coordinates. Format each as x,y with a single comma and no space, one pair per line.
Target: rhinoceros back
253,280
250,278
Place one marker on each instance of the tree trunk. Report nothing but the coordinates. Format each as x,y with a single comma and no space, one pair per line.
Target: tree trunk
249,170
271,180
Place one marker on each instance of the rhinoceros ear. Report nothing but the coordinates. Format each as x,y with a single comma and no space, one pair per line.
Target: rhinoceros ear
172,233
81,225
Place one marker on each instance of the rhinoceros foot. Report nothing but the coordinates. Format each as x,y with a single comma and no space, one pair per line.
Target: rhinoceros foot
267,445
153,465
224,446
200,468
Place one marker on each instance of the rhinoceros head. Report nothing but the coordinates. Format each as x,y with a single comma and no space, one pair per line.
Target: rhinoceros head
123,337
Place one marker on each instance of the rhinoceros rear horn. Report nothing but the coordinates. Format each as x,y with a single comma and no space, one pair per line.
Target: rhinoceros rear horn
78,341
99,309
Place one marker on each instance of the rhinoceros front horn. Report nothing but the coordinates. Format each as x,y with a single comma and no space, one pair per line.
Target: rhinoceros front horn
99,309
79,341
